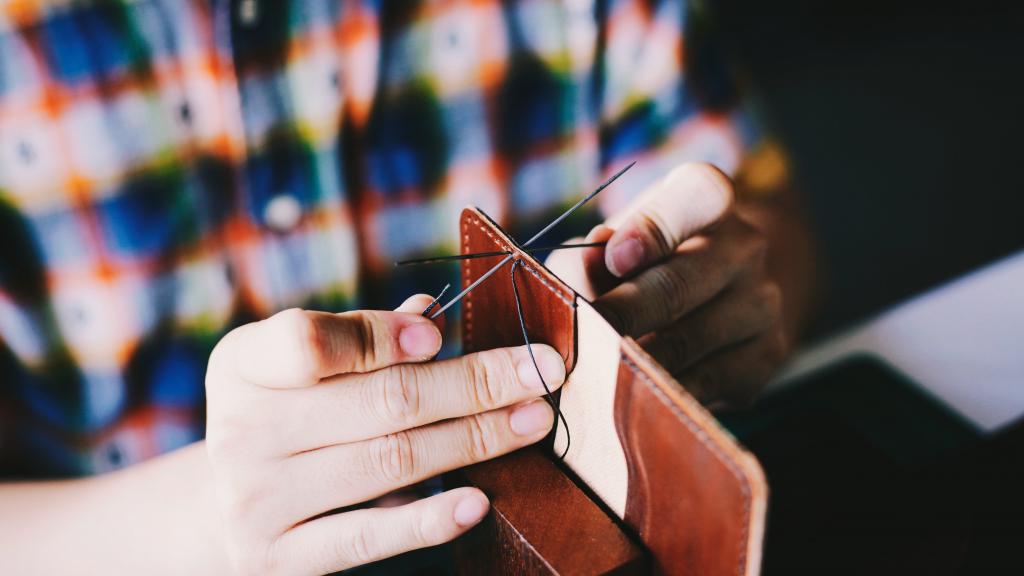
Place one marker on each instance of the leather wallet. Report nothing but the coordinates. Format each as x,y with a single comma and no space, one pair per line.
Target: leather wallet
650,455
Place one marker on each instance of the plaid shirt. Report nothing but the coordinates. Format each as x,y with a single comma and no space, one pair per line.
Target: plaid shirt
170,169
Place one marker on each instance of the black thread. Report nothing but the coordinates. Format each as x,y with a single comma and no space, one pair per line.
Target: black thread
533,239
548,395
516,262
457,257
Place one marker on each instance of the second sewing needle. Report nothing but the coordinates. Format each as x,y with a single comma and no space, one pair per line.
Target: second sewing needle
543,231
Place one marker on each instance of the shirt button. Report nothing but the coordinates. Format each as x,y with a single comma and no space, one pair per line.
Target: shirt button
282,213
248,12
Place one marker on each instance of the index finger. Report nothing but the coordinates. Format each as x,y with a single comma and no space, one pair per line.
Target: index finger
702,268
296,348
688,200
404,397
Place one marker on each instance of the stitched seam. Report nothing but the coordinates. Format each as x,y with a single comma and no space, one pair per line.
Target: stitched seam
497,241
708,443
467,309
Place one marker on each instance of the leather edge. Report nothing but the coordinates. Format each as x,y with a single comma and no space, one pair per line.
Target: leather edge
530,264
719,441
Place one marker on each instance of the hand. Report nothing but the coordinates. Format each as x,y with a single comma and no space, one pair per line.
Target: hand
684,274
310,412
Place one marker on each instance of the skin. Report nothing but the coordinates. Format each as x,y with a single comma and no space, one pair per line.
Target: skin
696,278
310,412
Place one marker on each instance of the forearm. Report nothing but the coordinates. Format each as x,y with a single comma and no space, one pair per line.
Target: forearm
153,518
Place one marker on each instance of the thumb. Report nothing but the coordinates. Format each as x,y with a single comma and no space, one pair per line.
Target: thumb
688,200
298,348
417,303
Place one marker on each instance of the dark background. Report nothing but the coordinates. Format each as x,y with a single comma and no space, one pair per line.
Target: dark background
904,124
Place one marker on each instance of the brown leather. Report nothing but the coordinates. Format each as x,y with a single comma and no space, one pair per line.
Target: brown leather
526,533
489,317
695,498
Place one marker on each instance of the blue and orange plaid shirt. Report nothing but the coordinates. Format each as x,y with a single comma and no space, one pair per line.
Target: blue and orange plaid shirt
170,169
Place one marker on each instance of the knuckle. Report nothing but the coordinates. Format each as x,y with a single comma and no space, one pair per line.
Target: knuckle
401,390
479,443
662,237
424,529
360,548
393,457
485,377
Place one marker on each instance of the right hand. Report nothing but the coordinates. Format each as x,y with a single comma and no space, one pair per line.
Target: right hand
309,412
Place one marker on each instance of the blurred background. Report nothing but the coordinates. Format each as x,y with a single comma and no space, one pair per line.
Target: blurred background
904,123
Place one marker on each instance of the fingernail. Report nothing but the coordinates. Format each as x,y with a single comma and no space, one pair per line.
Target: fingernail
420,340
627,256
551,365
531,419
470,510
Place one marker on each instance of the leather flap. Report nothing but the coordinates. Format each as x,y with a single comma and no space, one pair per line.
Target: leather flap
489,318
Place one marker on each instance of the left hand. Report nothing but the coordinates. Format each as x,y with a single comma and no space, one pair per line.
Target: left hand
685,275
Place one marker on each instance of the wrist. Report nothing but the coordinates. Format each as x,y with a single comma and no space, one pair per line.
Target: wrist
161,516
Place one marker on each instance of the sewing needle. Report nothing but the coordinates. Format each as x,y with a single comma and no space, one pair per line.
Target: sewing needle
576,206
436,300
474,255
543,231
